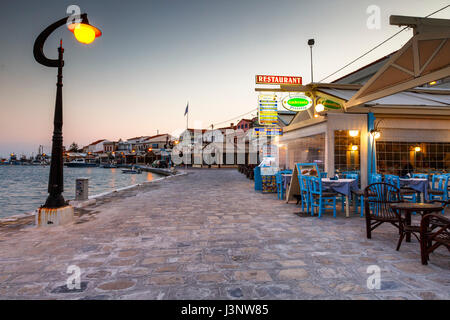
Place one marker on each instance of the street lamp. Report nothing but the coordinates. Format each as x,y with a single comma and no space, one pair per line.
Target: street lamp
84,33
311,44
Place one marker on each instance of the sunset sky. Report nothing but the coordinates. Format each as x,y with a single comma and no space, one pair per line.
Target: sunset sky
154,56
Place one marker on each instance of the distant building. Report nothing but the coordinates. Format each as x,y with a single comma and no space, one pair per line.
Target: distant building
110,146
157,142
95,147
245,124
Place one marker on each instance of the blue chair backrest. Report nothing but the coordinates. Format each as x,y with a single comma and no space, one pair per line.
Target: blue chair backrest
420,175
315,185
440,182
352,176
392,179
303,183
323,174
278,177
376,178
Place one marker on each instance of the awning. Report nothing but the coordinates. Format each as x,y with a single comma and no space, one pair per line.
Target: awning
400,99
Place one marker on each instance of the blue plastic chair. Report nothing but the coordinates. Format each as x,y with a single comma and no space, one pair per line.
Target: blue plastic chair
304,193
395,181
319,199
280,186
420,176
323,174
359,196
375,178
439,188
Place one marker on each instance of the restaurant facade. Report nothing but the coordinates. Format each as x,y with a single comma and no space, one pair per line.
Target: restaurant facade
391,116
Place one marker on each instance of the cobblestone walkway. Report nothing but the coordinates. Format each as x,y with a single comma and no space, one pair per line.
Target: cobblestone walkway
208,235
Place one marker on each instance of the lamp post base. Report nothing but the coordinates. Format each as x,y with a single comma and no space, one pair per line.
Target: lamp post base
46,217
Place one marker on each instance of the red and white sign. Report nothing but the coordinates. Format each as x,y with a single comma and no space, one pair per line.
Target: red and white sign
262,79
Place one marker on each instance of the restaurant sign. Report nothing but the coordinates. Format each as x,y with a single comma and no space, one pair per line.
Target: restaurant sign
267,131
329,104
264,79
298,102
268,110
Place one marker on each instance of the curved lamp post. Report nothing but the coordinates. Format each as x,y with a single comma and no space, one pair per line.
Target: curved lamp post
84,33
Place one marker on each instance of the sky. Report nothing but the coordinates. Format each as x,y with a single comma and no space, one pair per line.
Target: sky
155,56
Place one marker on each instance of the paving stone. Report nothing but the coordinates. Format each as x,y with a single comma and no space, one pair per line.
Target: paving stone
235,293
254,275
310,289
211,277
293,274
30,290
292,263
166,280
154,260
98,274
128,253
116,285
169,268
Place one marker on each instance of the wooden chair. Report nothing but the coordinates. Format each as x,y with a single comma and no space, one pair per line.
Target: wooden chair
378,199
434,232
406,193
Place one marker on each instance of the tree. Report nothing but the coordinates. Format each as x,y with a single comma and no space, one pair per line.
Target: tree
73,147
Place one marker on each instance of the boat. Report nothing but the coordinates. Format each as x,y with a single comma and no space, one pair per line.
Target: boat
109,166
132,171
80,163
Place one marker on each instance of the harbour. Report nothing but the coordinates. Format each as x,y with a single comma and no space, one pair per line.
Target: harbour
23,188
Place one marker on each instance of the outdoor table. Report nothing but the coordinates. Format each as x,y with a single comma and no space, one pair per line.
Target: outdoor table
420,207
342,186
286,178
420,185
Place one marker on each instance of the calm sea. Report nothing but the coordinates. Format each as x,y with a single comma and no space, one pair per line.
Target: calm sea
24,188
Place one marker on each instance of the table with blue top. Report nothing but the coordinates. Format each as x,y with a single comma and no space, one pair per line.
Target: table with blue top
417,184
342,186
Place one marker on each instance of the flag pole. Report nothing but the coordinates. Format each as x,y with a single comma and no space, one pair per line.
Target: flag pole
187,129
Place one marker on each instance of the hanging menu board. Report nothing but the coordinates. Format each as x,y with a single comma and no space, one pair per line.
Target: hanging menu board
268,110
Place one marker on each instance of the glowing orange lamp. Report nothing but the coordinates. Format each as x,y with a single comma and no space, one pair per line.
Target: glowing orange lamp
84,32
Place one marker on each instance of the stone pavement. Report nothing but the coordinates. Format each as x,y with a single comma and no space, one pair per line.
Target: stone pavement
209,235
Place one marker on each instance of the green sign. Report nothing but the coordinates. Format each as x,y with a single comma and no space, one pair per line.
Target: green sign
330,104
297,103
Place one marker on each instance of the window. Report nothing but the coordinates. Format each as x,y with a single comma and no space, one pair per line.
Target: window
346,151
307,149
396,157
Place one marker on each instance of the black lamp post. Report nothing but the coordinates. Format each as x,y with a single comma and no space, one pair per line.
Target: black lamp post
85,33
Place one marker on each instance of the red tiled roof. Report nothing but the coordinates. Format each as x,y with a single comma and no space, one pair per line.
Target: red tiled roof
155,136
96,142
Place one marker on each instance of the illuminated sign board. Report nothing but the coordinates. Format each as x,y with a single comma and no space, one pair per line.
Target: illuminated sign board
268,109
329,104
298,102
264,79
267,131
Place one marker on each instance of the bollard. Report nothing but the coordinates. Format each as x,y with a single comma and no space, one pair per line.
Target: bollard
82,189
